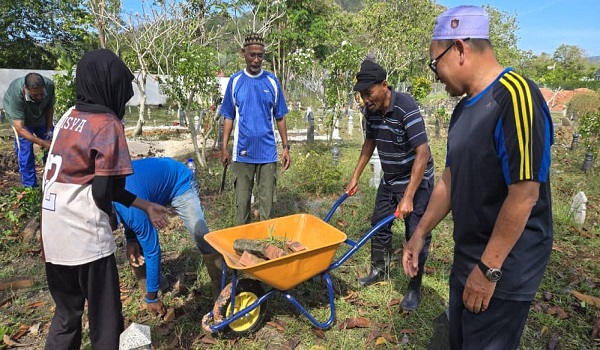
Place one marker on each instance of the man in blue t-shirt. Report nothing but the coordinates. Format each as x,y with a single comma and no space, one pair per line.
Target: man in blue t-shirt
165,181
496,183
395,126
29,105
253,101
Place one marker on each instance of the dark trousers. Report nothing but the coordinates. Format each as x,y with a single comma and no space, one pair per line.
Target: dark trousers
26,156
498,328
386,203
70,286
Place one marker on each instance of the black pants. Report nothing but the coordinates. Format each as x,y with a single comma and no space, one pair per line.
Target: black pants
386,203
70,286
498,328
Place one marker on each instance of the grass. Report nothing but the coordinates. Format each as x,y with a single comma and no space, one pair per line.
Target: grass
574,266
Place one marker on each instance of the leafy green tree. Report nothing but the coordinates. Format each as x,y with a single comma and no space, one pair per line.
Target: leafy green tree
399,33
33,34
503,36
194,85
421,87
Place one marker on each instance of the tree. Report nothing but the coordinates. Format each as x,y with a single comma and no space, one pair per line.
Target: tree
399,33
193,81
151,39
503,36
34,34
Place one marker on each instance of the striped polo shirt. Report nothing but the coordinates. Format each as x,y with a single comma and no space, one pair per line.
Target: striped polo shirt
397,133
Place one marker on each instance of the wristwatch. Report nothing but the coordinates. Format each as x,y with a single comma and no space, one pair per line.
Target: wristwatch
493,275
286,147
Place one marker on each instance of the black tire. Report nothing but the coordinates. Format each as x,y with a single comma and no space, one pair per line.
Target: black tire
247,292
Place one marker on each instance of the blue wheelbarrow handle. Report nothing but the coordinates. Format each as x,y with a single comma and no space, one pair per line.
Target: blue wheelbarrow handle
335,206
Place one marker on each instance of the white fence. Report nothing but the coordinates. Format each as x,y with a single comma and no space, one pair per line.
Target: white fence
153,94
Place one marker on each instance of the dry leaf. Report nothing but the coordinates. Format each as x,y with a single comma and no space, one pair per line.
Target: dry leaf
351,296
373,335
596,330
35,329
362,311
174,343
355,322
24,283
23,329
555,310
341,223
209,340
292,343
170,315
394,301
35,304
277,325
390,338
547,296
407,331
318,332
380,341
554,340
588,299
6,301
8,341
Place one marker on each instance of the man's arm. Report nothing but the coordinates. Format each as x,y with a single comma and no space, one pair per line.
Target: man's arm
405,206
49,118
366,152
508,228
437,209
227,127
285,155
19,126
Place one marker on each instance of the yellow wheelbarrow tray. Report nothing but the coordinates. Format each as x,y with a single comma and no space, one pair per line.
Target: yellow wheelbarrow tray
242,315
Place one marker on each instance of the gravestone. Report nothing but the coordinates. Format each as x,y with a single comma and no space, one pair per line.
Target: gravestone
578,208
135,337
376,173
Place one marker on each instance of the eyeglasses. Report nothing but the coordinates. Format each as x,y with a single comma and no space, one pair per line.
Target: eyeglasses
254,55
433,62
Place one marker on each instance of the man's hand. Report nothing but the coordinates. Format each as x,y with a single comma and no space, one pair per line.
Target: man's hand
225,156
133,254
405,207
410,254
158,215
285,159
44,144
156,308
352,187
478,291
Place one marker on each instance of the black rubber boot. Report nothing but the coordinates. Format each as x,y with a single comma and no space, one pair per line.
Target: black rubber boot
380,264
413,292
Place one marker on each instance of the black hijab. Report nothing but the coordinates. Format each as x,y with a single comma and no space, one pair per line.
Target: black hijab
102,83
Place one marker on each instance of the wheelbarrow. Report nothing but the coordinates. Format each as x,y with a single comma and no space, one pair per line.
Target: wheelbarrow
239,309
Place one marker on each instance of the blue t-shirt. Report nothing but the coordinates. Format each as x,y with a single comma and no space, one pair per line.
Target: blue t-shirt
252,101
157,180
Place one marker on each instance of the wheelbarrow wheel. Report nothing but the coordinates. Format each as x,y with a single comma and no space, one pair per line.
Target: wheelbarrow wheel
247,292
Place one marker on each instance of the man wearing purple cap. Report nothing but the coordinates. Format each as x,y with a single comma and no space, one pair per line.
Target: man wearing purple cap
395,126
496,183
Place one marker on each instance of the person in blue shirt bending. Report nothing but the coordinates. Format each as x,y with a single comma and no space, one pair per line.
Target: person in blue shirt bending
164,181
253,99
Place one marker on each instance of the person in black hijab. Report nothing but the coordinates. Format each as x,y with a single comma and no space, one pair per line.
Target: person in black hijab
89,158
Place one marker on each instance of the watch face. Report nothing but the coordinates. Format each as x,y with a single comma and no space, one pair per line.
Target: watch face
493,275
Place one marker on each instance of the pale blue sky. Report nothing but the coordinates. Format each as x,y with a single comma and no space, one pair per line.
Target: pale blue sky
544,25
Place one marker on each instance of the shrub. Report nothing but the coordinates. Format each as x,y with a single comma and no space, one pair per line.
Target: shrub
314,171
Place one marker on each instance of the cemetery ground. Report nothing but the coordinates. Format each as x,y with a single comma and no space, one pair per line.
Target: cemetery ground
564,315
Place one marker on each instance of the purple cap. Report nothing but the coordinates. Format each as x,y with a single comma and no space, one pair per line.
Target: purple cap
462,22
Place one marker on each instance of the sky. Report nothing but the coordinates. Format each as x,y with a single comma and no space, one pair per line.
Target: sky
544,25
